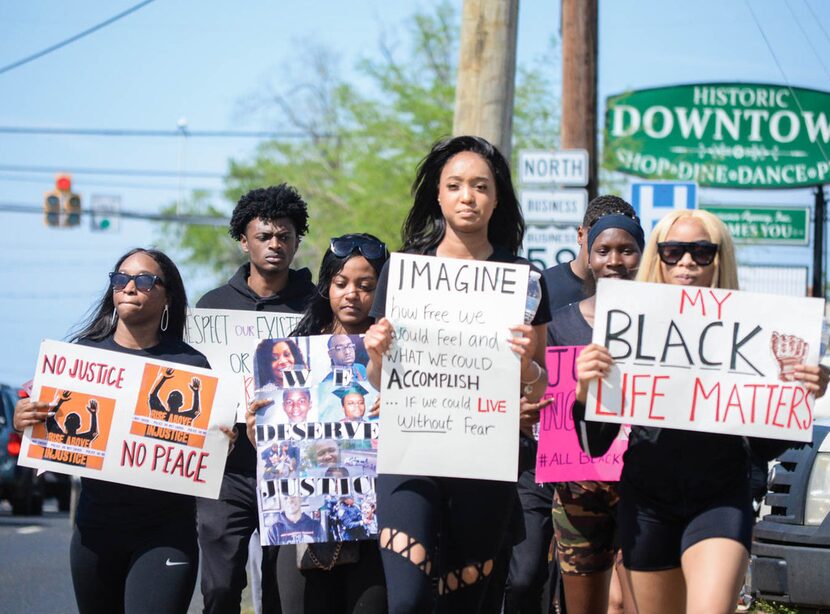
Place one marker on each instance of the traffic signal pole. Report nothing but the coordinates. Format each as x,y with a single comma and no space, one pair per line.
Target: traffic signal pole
818,242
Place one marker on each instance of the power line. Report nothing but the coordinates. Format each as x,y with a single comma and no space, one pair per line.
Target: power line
817,20
194,220
72,39
127,172
108,184
129,132
807,38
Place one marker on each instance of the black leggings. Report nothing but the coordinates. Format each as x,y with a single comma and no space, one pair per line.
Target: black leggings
124,570
355,588
459,522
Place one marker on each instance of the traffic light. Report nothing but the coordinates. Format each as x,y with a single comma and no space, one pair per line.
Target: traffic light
52,208
61,207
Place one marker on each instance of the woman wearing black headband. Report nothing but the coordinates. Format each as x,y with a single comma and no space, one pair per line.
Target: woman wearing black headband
584,512
685,515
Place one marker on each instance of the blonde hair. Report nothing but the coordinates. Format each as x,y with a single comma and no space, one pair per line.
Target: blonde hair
726,267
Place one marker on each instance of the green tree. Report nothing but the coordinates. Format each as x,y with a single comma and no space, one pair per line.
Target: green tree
364,141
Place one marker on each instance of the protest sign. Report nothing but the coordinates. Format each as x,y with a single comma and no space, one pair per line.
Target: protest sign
705,359
316,443
228,338
450,384
128,419
559,457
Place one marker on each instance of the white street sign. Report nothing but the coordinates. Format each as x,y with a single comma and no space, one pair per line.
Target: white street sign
554,206
566,167
547,247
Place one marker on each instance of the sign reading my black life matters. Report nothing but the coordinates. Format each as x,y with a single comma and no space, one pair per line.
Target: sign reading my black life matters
741,135
705,359
450,383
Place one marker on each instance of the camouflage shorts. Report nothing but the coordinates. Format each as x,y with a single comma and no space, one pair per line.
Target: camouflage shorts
584,522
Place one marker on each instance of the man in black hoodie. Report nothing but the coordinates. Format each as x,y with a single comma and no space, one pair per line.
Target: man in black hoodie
269,224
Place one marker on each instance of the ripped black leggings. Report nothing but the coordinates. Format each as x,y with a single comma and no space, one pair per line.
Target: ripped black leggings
439,538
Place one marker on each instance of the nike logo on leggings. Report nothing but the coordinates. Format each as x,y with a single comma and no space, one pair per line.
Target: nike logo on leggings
170,563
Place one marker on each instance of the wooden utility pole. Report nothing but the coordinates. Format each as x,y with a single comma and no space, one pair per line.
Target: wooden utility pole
487,71
579,82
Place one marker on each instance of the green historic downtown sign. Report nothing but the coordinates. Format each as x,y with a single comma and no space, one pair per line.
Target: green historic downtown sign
739,135
776,225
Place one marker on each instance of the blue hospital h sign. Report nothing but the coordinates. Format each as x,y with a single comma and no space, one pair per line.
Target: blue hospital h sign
654,199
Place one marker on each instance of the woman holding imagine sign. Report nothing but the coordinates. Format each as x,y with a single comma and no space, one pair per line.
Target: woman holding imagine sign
685,515
464,207
345,291
133,549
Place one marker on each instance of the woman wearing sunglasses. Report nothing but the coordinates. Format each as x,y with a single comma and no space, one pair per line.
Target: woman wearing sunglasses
685,515
345,290
447,528
133,549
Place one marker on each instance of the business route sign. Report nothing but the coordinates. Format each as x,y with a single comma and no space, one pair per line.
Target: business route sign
739,135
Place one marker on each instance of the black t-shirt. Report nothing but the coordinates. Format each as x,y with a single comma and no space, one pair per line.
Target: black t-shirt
499,255
565,288
568,326
107,504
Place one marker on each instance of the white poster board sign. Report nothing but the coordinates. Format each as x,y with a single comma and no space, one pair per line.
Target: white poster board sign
704,359
450,384
316,441
128,419
228,338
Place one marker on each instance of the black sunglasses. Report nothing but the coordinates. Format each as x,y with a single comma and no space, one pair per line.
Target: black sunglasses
370,248
143,281
702,252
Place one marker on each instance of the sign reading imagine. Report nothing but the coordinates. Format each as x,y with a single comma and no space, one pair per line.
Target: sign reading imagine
450,383
721,135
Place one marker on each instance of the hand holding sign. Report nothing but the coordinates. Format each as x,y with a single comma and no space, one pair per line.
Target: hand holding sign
594,362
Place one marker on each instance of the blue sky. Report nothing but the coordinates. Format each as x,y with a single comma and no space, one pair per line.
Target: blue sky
202,59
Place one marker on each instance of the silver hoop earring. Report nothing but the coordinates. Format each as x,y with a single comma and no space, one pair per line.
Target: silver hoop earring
114,317
165,318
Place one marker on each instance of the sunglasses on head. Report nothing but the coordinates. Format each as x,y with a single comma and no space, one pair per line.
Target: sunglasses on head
143,281
370,248
702,252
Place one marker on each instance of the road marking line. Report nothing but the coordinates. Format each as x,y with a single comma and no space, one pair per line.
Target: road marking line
29,530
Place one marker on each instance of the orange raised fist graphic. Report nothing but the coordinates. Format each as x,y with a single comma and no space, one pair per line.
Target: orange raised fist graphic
788,351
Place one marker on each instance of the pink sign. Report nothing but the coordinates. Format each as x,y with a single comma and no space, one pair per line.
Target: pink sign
559,458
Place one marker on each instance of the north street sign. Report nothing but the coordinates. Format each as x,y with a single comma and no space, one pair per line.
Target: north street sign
566,167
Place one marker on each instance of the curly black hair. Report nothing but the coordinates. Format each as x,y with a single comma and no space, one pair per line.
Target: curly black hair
270,203
606,204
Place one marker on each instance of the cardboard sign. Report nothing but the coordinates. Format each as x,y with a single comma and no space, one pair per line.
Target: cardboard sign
559,457
450,384
128,419
228,338
705,359
316,444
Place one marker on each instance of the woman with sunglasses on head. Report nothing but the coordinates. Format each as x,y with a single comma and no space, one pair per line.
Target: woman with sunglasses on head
454,529
345,290
685,515
133,549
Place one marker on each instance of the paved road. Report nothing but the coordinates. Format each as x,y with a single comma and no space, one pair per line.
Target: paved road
34,555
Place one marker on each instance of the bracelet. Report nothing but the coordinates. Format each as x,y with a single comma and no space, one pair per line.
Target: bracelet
528,386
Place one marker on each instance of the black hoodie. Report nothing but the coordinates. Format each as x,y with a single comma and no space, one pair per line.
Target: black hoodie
236,294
